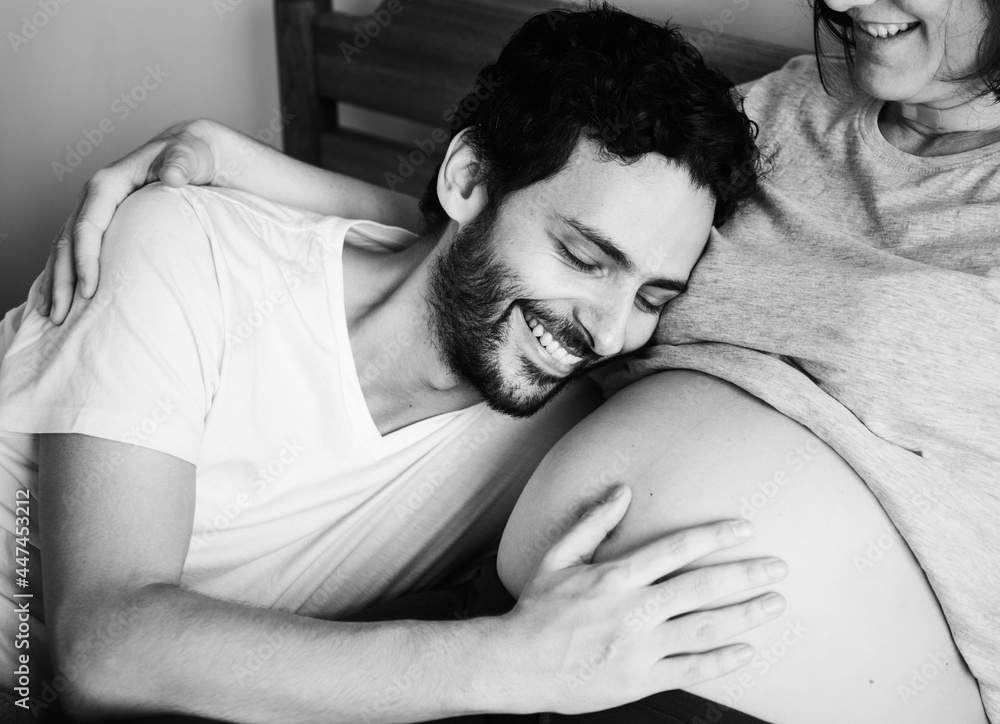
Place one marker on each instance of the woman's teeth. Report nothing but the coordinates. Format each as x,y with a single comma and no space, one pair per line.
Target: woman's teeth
885,31
550,343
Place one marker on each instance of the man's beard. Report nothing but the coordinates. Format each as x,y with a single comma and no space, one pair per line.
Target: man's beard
472,296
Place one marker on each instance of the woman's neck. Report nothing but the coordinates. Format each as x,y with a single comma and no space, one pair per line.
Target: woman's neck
938,129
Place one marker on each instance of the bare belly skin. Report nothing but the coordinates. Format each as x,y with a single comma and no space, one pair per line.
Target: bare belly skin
862,640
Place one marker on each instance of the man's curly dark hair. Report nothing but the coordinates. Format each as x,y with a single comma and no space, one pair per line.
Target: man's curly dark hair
633,86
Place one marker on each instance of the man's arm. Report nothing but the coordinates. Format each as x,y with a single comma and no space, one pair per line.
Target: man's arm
204,152
112,564
112,560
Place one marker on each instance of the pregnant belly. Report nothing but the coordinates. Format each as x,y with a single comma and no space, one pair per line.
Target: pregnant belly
862,639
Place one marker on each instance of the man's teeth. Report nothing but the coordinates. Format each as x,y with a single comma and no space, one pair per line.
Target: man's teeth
550,343
885,31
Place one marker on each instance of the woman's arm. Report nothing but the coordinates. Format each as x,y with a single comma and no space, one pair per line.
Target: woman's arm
243,163
203,152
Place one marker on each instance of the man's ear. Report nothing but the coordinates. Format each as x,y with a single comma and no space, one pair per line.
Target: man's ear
460,187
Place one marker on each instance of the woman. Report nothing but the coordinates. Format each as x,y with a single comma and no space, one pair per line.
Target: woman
855,302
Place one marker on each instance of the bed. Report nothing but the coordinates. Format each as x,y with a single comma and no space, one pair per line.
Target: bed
412,60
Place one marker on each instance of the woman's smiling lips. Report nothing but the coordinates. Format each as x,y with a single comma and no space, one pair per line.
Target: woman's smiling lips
885,31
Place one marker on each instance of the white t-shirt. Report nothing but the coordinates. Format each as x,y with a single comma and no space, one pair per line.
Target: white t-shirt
219,336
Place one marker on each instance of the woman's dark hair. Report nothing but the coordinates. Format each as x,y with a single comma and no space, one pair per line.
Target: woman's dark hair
602,74
839,27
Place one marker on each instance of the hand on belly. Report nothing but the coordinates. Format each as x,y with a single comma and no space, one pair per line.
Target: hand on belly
862,640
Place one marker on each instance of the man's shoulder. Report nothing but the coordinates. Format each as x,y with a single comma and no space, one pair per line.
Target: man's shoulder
157,225
160,202
196,234
202,212
158,260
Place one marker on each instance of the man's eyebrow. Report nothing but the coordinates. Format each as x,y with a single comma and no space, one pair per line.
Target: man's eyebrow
619,257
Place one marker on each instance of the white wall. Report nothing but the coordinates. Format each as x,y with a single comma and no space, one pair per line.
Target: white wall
65,65
208,59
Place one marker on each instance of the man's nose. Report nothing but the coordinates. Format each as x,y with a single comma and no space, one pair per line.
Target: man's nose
606,325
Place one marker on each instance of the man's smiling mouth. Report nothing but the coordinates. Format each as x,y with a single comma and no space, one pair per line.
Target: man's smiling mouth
549,343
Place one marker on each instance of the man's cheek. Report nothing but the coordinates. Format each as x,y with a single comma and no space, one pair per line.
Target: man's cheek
640,333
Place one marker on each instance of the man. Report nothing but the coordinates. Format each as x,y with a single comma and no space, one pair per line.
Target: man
268,418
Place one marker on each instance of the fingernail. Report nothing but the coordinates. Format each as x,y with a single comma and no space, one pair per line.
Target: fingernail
773,603
741,529
744,654
618,492
777,569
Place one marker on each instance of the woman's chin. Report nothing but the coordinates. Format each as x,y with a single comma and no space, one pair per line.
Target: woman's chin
888,84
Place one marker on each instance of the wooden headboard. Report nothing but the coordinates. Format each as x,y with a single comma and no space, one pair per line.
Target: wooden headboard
415,59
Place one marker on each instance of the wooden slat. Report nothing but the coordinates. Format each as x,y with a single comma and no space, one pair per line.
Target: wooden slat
395,166
300,101
422,60
740,59
418,62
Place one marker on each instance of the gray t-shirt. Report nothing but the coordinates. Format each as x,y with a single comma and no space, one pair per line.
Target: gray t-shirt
859,294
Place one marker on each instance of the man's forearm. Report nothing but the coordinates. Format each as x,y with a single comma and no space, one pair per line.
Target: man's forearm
246,164
241,663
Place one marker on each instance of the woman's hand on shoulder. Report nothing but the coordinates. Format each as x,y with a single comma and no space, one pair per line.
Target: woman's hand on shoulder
183,154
